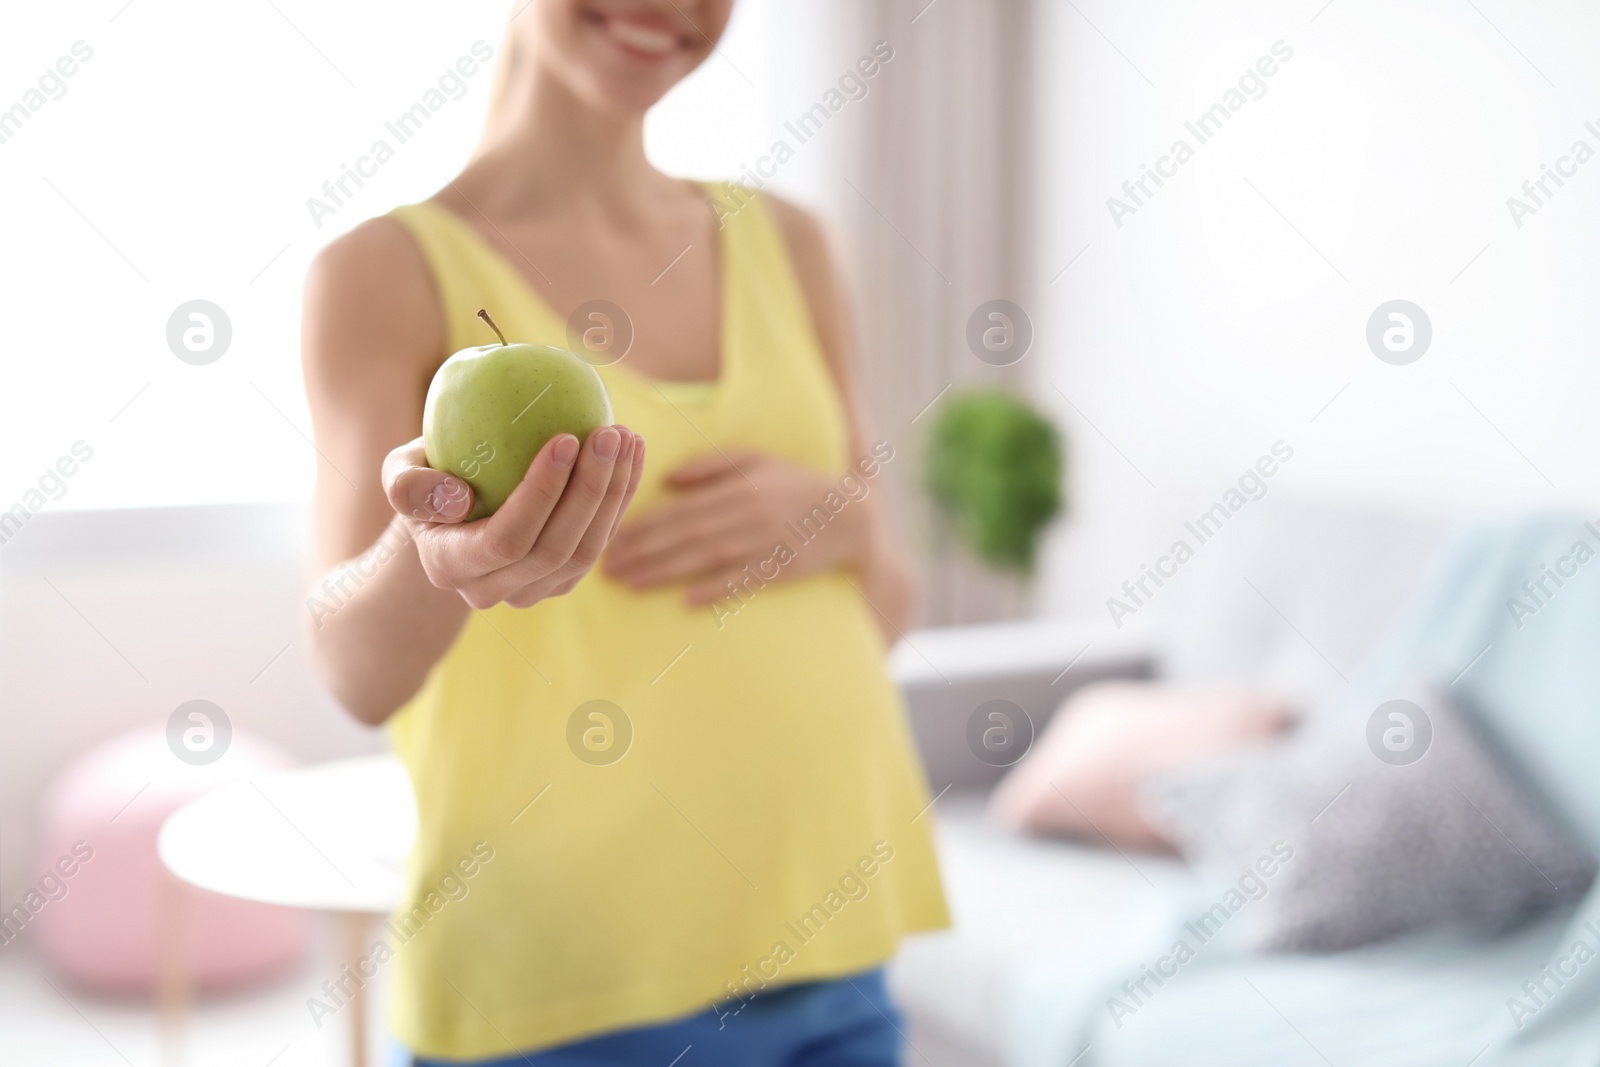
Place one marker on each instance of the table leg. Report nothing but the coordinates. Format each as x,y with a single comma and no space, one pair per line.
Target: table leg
173,992
353,928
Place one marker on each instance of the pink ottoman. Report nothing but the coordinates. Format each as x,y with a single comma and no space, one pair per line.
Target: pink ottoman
99,924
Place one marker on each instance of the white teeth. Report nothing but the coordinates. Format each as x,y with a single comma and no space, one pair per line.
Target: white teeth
641,37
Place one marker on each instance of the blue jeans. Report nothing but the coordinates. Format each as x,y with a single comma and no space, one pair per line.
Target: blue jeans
846,1022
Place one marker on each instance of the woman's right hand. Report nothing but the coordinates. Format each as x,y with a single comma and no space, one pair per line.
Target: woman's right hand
546,535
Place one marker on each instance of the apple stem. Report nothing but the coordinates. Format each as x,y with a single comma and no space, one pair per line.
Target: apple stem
484,315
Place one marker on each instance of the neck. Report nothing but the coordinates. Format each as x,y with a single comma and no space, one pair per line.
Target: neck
555,148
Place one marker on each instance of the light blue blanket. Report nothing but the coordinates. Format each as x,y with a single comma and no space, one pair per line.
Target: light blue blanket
1512,617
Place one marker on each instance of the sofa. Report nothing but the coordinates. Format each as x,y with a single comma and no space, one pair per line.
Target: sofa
1325,603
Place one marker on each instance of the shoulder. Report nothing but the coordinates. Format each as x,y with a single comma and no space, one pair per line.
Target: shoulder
805,237
377,259
371,290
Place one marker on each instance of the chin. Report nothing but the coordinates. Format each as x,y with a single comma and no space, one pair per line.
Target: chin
624,55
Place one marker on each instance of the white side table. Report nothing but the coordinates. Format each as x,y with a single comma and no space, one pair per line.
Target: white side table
331,837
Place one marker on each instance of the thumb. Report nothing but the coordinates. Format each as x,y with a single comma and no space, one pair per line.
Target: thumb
432,496
417,491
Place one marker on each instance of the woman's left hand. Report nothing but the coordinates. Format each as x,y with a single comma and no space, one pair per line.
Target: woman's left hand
732,512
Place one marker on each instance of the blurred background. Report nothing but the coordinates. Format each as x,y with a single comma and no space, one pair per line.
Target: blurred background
1169,331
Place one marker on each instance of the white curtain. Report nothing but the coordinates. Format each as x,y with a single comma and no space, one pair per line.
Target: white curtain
928,183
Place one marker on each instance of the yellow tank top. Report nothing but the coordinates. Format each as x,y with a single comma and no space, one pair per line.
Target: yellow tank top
744,811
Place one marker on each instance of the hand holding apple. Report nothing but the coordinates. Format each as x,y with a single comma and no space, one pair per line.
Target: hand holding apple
491,409
517,482
548,533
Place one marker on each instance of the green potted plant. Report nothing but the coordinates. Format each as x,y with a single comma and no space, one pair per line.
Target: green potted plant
994,469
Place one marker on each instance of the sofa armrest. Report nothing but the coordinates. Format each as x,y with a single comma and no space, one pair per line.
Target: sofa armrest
947,672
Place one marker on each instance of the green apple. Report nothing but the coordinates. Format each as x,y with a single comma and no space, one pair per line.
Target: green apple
491,409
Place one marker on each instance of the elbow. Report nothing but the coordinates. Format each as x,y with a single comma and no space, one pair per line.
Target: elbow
361,700
363,697
892,587
913,595
363,708
907,593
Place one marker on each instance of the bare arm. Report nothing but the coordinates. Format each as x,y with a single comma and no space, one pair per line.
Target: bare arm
372,333
403,570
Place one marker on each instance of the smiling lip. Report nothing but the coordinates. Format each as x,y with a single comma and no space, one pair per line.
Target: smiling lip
640,35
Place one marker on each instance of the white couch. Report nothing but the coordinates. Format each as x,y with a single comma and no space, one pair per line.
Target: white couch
1288,595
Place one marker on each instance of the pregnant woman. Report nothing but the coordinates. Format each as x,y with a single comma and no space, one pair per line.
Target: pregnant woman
668,809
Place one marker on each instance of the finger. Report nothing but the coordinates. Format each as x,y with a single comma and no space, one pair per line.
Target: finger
641,553
711,466
419,492
509,534
594,538
480,593
695,560
640,557
530,595
699,512
586,488
636,473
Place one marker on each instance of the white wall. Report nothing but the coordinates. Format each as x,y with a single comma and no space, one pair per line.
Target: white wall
1205,328
177,162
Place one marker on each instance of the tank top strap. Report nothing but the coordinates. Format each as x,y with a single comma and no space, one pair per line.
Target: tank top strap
466,277
765,294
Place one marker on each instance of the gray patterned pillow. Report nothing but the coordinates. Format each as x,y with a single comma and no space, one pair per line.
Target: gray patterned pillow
1395,821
